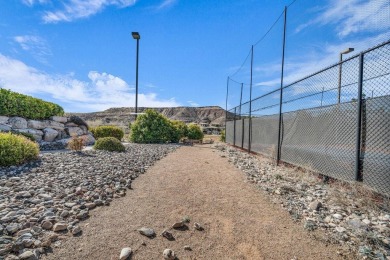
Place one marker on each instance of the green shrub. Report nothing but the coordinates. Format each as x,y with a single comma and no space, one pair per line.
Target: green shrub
107,131
15,104
181,128
194,132
153,127
16,149
111,144
222,138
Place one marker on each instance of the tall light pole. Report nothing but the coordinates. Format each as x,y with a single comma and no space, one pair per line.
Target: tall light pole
340,69
136,36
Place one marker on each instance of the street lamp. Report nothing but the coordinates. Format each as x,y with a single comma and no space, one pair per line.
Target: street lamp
136,36
341,59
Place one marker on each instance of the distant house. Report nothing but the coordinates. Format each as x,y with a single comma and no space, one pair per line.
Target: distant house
205,122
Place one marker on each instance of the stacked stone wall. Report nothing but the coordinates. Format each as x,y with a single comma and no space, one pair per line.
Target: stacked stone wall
53,133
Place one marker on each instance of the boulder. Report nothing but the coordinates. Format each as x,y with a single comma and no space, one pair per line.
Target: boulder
36,133
49,134
70,124
84,128
78,121
60,119
55,125
5,128
74,131
4,119
17,122
36,124
62,135
89,139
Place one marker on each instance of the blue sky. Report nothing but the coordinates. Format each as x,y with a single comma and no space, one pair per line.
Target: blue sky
80,53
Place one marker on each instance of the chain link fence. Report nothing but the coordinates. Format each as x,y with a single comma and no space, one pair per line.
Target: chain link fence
335,122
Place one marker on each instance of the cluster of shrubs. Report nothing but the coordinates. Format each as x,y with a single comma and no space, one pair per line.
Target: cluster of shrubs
17,147
15,104
152,127
108,138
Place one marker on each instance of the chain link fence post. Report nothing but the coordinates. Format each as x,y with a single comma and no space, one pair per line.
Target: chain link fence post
358,175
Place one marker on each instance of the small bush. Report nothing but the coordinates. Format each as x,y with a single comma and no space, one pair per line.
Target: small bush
111,144
76,143
194,132
15,104
107,131
222,138
153,127
16,149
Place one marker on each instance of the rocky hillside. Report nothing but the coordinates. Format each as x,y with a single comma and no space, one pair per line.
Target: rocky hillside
122,116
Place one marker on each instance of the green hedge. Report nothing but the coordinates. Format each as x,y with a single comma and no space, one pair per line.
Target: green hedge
15,104
109,144
16,149
107,131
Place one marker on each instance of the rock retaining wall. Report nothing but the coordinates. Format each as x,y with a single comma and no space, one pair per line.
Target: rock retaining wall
53,133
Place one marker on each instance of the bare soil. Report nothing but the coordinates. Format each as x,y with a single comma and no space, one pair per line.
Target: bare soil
239,221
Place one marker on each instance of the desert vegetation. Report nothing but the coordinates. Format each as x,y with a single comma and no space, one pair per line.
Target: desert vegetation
16,149
15,104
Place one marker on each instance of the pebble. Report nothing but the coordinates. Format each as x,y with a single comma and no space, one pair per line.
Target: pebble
63,187
27,255
76,230
125,253
60,226
340,229
337,216
147,232
169,254
315,205
178,224
343,214
198,226
47,225
168,235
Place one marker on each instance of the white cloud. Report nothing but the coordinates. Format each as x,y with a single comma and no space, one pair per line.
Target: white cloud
35,45
78,9
192,103
167,4
33,2
354,16
101,92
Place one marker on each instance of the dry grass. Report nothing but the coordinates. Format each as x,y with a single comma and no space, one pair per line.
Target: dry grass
362,196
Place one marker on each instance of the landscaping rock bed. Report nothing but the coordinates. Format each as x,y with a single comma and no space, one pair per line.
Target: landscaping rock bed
44,199
348,214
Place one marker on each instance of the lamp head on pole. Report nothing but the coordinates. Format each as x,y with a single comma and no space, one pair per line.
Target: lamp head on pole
136,35
348,50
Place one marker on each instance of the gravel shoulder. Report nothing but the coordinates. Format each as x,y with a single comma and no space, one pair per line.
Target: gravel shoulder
239,221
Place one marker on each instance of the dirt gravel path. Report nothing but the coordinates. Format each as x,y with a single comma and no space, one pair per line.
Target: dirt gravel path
239,221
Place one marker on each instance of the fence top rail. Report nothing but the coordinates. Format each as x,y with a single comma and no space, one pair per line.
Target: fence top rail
315,73
338,63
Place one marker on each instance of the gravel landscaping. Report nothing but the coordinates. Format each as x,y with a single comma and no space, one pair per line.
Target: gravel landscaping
42,200
345,214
